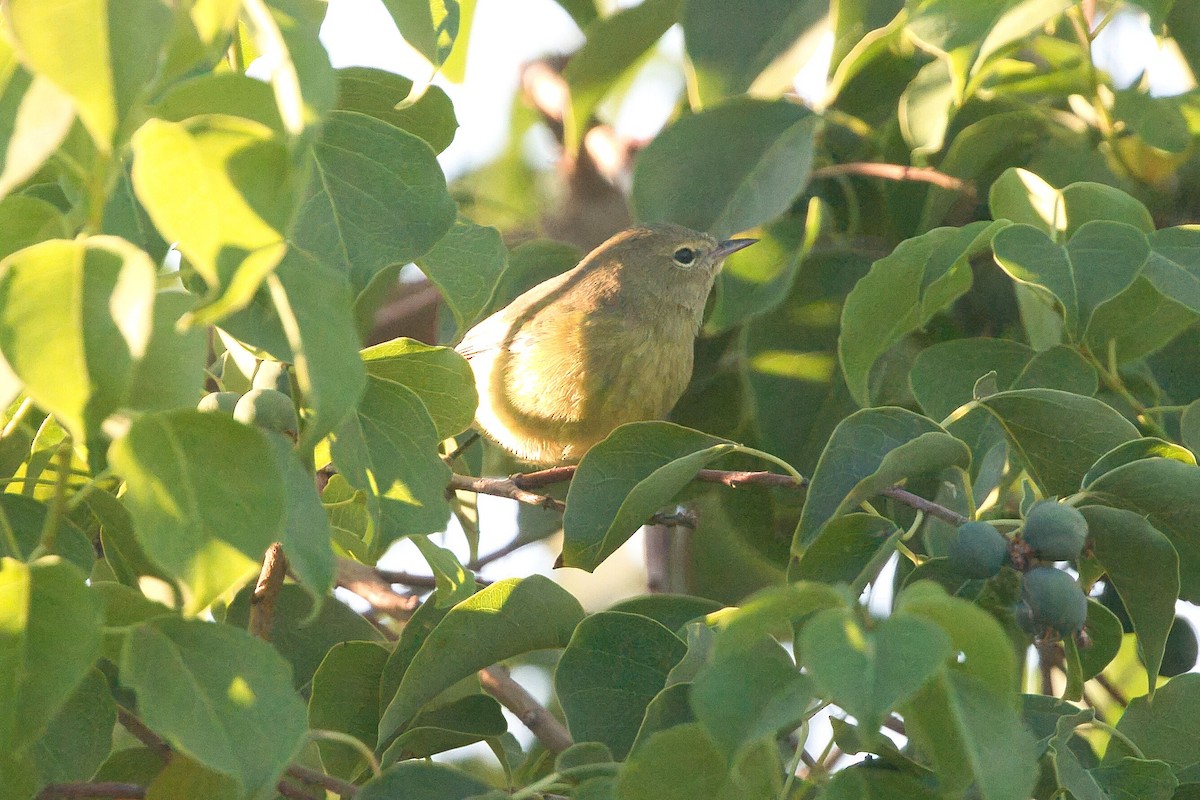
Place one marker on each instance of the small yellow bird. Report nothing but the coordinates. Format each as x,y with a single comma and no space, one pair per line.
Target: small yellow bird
606,343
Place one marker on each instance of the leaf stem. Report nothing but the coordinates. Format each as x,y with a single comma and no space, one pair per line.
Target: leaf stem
349,741
1118,735
48,541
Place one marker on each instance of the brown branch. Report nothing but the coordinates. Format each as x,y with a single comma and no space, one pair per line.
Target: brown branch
366,582
549,731
62,791
896,172
504,487
314,777
416,581
130,722
266,591
1113,691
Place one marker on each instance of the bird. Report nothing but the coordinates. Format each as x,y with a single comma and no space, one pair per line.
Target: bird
603,344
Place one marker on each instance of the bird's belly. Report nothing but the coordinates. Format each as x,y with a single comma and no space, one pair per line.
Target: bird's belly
552,400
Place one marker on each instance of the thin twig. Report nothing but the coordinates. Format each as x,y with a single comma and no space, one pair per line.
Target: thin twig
1113,691
497,682
505,487
266,591
62,791
415,581
516,544
896,172
317,778
130,722
366,582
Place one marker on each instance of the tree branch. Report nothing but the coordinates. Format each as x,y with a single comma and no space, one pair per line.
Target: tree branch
896,172
505,487
266,591
367,583
548,730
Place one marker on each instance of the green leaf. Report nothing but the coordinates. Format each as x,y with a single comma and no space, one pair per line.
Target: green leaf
302,634
986,652
1158,121
285,34
106,75
1058,435
842,549
613,45
35,116
926,106
229,93
769,609
388,449
1105,632
205,496
729,48
624,479
80,736
612,668
506,619
170,373
184,779
1164,492
470,719
944,375
871,672
728,168
383,95
366,171
345,698
27,517
1099,262
1023,197
1068,770
465,264
1139,320
865,783
1136,779
51,636
869,451
306,532
318,336
429,26
454,582
678,764
213,691
1144,567
750,694
1166,729
1136,450
672,611
1174,265
902,292
232,232
25,221
417,780
972,734
75,319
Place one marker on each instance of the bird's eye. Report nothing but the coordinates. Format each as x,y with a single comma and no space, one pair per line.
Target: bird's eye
685,256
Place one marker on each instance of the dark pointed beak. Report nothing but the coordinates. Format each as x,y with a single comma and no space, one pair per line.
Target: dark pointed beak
730,246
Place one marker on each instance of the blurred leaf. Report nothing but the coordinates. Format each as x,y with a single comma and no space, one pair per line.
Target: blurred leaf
972,734
470,719
614,43
345,698
230,93
1099,262
871,672
105,75
750,694
1105,632
27,518
465,264
367,171
865,783
1144,568
297,65
506,619
757,279
212,691
682,762
1174,265
171,372
727,168
25,221
926,106
869,451
80,736
306,533
1156,120
429,26
205,496
1058,435
1139,320
672,611
75,319
1165,729
51,626
624,479
417,780
377,94
902,292
454,582
35,116
232,232
1136,778
185,779
614,665
388,449
729,45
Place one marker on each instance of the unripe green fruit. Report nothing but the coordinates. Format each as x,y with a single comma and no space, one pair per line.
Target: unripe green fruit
1055,531
218,401
1181,651
978,550
272,375
1054,600
269,410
